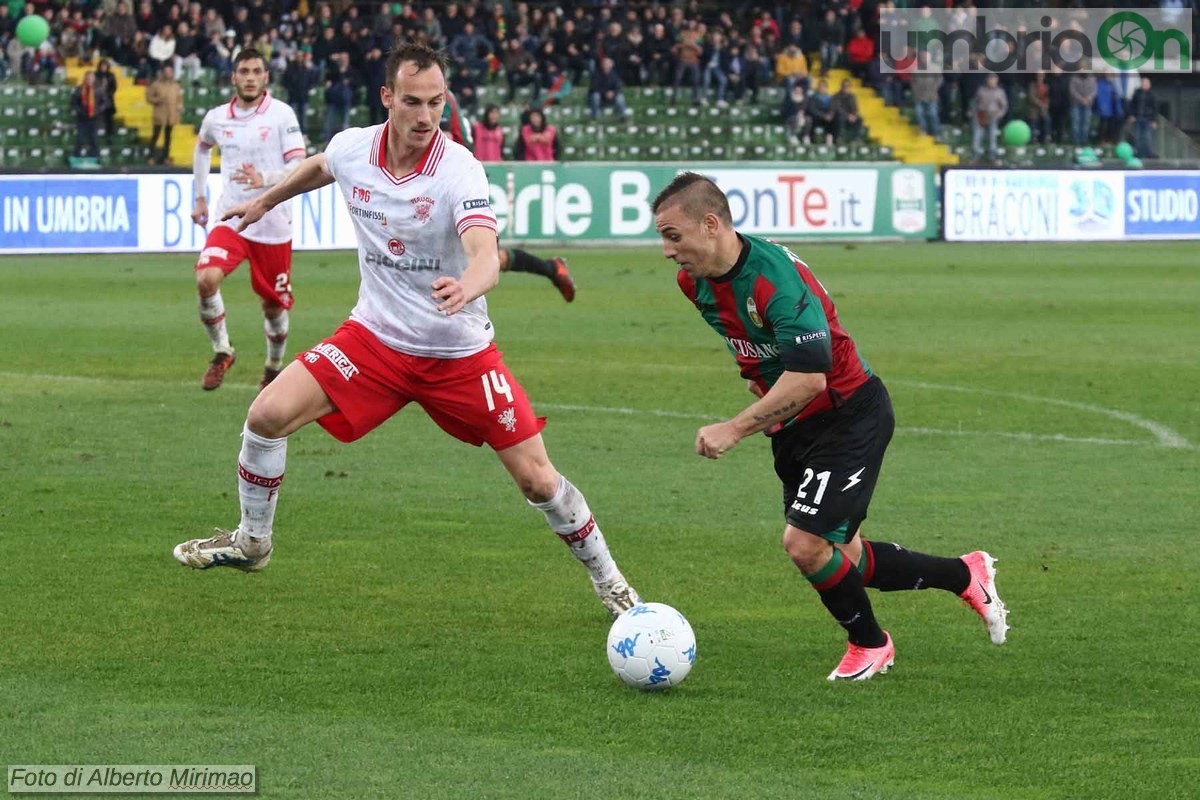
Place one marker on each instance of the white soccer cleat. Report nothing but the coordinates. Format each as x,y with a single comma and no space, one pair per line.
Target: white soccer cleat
226,549
617,595
981,595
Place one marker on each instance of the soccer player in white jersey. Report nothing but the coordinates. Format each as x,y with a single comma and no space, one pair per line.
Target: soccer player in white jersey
261,144
427,253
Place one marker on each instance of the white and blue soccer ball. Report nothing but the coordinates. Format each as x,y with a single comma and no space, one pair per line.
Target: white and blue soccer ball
651,647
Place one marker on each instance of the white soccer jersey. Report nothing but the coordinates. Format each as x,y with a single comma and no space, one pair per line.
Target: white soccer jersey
267,136
409,234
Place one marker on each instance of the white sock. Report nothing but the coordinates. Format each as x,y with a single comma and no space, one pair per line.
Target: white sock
260,471
277,333
569,516
212,314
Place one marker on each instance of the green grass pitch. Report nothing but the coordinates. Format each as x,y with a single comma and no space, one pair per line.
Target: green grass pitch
420,632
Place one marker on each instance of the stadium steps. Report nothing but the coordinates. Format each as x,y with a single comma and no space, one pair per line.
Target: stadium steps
133,111
889,127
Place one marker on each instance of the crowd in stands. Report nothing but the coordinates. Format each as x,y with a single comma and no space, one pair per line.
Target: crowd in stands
705,52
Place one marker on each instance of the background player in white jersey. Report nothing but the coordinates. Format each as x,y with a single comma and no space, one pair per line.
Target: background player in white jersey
261,143
420,332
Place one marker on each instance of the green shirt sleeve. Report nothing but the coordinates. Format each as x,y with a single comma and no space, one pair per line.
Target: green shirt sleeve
801,329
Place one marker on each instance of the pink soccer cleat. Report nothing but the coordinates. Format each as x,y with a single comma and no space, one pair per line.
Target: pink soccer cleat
862,663
981,595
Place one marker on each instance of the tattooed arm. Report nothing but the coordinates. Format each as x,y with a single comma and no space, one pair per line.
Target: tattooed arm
792,392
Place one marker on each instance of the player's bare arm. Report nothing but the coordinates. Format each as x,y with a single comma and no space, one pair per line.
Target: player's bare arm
201,164
311,174
248,176
792,392
480,277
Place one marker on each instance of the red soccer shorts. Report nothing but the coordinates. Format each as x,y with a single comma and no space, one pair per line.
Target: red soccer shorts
474,399
270,264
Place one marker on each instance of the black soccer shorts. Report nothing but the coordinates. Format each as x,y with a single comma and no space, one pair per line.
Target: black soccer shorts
829,463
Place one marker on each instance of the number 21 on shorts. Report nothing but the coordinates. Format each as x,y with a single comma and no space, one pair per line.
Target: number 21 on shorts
495,384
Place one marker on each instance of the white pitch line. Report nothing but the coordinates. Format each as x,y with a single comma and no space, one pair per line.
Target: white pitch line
1164,436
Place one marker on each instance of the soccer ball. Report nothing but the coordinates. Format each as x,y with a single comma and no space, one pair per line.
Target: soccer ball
651,646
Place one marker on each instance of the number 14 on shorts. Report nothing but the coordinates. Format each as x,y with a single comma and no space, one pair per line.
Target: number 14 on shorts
495,384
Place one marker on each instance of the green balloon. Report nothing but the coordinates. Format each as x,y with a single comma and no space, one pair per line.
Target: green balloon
1123,151
1134,163
1017,133
33,30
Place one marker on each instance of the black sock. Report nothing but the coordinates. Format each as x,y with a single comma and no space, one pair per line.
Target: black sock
521,261
841,589
889,567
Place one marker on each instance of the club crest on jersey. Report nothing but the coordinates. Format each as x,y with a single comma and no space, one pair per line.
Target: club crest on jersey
264,132
752,310
396,247
424,206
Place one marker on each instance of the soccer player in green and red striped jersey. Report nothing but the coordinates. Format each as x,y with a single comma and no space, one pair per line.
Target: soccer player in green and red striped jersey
829,418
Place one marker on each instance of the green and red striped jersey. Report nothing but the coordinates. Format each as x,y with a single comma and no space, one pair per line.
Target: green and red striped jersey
774,315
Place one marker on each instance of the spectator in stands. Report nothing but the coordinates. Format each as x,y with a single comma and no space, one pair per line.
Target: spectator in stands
165,97
146,18
658,56
106,82
687,61
605,90
213,23
538,141
820,111
218,55
574,44
162,49
988,108
716,65
471,48
791,68
860,52
298,80
926,83
1060,103
793,35
465,86
339,95
520,68
374,72
848,125
796,121
894,85
187,54
432,28
755,72
117,29
1038,108
1143,113
1110,107
45,62
549,66
489,136
633,70
88,106
1082,88
833,40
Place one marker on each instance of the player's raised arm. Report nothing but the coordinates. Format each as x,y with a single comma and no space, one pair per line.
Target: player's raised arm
481,275
311,174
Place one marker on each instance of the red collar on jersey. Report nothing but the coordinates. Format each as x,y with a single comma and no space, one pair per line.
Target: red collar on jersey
429,159
262,104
